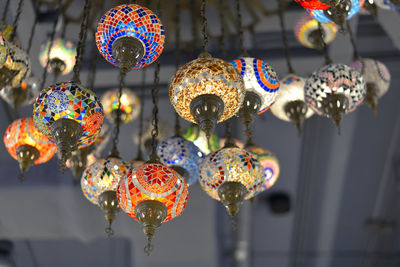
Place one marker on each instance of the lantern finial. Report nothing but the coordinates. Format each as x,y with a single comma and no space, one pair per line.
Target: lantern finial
232,195
109,205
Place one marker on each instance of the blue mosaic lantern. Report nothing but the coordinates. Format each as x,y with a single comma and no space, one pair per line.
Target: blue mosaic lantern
182,156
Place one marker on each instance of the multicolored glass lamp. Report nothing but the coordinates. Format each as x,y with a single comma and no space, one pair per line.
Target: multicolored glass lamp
307,32
290,105
27,144
333,90
22,95
62,56
130,105
130,36
377,78
3,50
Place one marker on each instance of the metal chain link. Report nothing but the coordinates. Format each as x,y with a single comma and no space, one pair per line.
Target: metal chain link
356,56
154,95
178,56
33,29
204,24
221,12
5,11
328,60
284,37
141,115
240,29
16,19
114,151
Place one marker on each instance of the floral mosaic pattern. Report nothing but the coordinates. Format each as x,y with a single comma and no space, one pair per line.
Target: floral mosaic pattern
130,104
308,25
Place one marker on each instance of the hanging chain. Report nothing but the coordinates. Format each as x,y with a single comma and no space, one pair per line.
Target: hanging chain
141,115
81,44
240,28
223,30
178,57
284,36
33,29
5,11
328,60
356,56
114,150
229,142
16,19
204,25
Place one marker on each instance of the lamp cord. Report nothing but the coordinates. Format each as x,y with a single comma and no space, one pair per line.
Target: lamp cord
284,36
328,60
177,57
5,11
223,28
356,56
204,25
114,150
240,28
33,29
16,19
141,115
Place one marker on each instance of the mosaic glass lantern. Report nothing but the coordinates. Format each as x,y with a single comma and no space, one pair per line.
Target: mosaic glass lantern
182,156
231,175
22,95
16,68
335,89
152,194
307,33
261,83
130,105
388,4
313,4
27,144
377,78
99,183
199,139
270,164
207,91
290,105
68,114
3,50
62,56
130,36
164,131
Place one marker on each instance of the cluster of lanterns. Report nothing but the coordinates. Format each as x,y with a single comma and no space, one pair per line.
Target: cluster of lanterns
68,117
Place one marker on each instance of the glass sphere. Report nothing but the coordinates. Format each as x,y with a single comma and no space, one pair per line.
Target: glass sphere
176,151
16,68
335,79
22,95
194,134
153,181
260,78
72,101
291,90
320,15
270,164
204,76
3,50
312,4
130,20
130,105
231,165
103,175
23,132
62,55
307,32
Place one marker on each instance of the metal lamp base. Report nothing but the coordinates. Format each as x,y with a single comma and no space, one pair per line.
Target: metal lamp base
127,52
334,105
316,39
371,99
26,158
108,203
57,66
296,111
251,105
232,195
339,13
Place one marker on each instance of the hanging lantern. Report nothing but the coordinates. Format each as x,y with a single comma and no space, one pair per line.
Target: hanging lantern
333,90
307,33
199,139
387,4
130,105
182,156
152,194
313,4
270,164
68,114
62,56
207,91
290,105
130,36
164,131
99,182
16,68
27,144
231,175
3,50
22,95
261,83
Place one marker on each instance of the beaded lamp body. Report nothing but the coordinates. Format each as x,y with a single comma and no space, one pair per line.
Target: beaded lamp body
130,20
61,50
313,4
156,182
307,32
199,139
23,132
130,105
260,78
177,151
231,165
3,50
72,101
320,16
16,68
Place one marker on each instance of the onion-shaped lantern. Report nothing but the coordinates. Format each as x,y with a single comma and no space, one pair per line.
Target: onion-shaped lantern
290,105
152,194
307,33
61,58
182,156
22,95
207,91
3,50
388,4
16,68
261,83
231,175
335,89
377,78
68,114
27,144
199,138
99,183
164,131
270,164
130,105
130,36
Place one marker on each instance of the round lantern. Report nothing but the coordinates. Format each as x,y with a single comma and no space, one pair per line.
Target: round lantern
68,114
27,144
152,194
62,56
335,89
182,156
130,105
376,76
307,33
207,91
199,139
22,95
290,105
3,50
16,68
231,175
130,36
